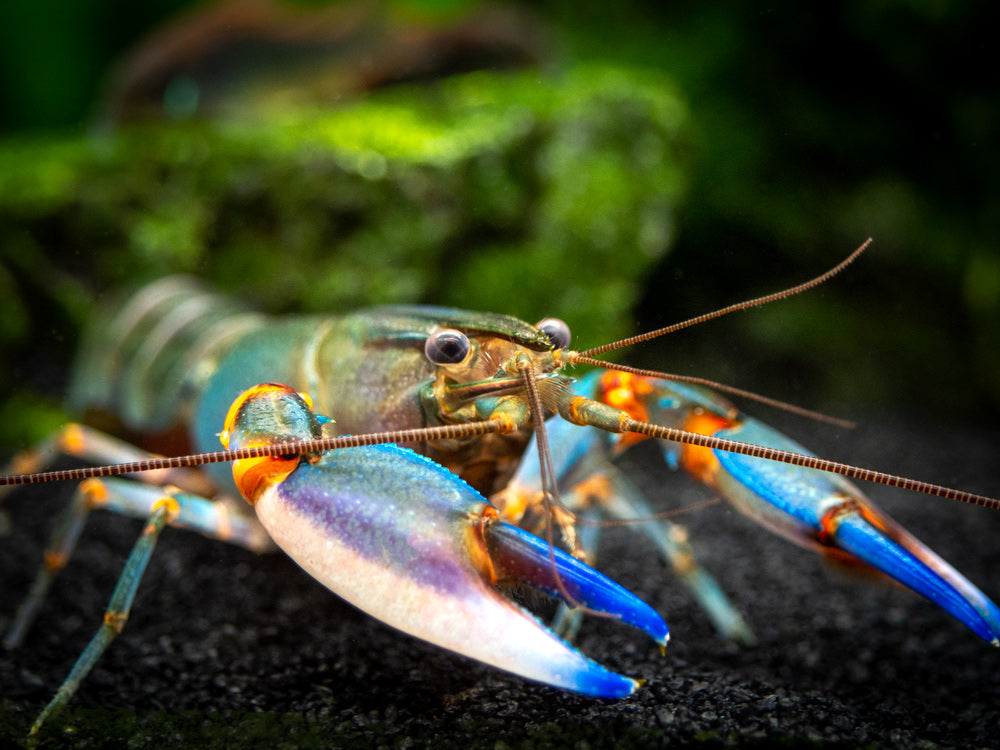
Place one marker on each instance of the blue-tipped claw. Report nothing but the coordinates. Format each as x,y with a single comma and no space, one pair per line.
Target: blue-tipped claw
413,545
827,511
524,558
887,547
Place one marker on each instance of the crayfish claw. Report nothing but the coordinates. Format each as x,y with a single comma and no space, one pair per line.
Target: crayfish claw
413,545
876,539
524,558
830,514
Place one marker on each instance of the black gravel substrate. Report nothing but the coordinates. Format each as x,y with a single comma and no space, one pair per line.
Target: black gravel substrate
228,649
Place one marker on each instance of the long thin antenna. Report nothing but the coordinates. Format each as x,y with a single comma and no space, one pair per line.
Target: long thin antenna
756,302
715,385
810,462
442,432
288,448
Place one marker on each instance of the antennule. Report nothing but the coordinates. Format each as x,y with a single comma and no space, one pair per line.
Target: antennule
731,390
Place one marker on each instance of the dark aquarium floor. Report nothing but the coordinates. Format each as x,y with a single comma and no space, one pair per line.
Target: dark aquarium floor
227,649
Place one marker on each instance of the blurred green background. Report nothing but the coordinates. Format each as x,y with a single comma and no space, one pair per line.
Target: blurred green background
660,160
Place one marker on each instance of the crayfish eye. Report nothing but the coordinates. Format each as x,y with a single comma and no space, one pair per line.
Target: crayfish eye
447,347
557,332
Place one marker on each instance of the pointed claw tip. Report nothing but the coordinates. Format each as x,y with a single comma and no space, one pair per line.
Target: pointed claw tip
632,687
656,628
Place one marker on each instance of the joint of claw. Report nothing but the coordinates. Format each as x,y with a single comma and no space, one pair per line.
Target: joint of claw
832,518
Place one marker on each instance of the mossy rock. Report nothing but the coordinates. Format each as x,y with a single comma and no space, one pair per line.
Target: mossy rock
530,194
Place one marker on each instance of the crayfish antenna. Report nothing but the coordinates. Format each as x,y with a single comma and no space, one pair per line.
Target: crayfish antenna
587,357
550,492
287,448
786,406
745,305
807,461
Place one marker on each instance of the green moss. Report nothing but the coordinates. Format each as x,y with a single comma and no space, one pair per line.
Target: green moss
529,194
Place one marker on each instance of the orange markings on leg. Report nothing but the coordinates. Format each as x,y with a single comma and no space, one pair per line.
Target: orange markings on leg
169,502
475,542
830,521
832,518
72,439
54,561
95,492
115,620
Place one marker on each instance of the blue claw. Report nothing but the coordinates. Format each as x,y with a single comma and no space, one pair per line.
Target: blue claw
824,510
885,546
525,558
413,545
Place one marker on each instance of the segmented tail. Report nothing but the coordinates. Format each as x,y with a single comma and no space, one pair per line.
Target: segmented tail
146,359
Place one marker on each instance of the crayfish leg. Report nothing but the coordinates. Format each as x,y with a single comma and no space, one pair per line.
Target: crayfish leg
218,518
162,506
594,488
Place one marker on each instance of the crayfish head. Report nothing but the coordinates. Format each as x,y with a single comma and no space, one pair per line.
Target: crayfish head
477,369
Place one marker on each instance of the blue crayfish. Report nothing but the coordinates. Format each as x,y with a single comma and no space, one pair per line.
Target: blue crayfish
405,531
